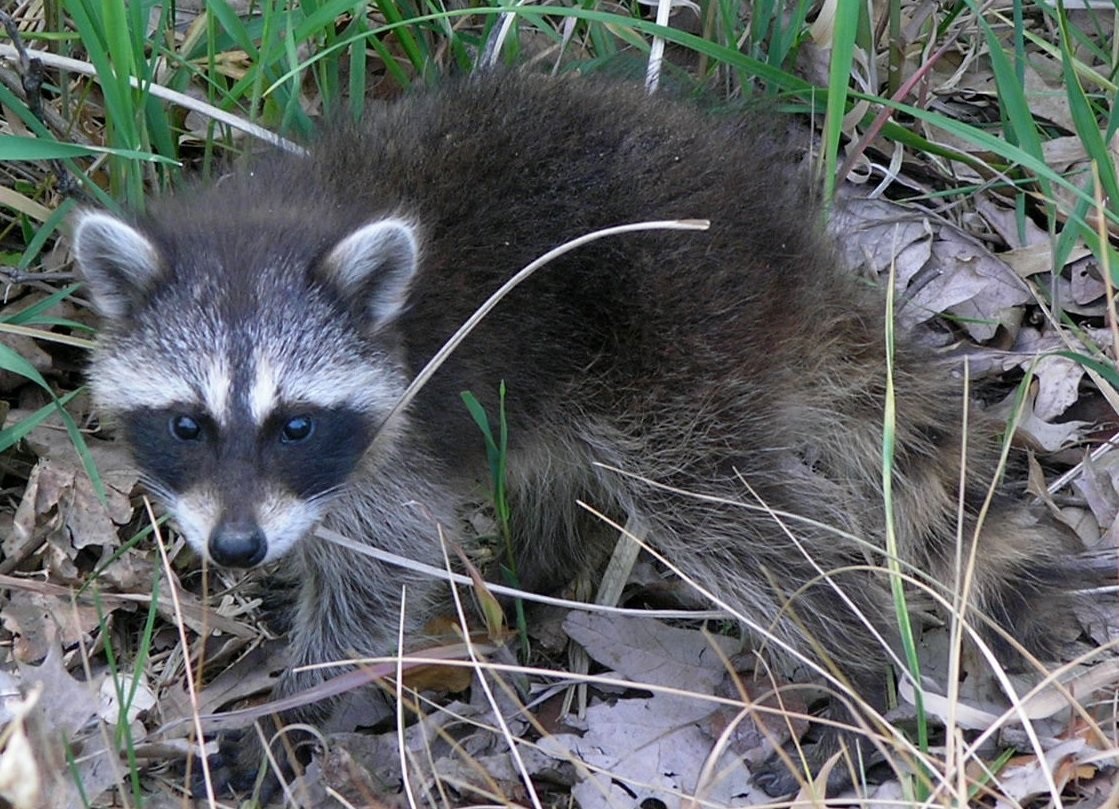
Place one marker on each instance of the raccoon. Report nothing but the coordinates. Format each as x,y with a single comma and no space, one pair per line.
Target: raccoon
726,388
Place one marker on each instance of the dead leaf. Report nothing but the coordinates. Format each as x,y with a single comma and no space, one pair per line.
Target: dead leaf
1058,385
1025,778
1036,432
651,748
1063,292
641,749
938,269
1062,154
68,703
66,714
968,281
1098,484
352,781
1032,260
197,613
648,651
61,510
1046,702
39,622
1084,280
21,782
135,691
755,734
1045,91
874,234
255,673
1019,232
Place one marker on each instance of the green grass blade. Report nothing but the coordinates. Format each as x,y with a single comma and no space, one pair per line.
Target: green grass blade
839,76
18,147
1087,127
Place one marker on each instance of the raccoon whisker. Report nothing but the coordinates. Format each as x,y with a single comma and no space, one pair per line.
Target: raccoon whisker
156,488
327,495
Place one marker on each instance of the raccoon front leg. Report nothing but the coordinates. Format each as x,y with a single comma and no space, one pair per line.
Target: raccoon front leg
827,629
805,591
800,761
348,607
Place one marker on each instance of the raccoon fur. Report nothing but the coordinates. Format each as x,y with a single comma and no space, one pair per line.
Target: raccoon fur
257,332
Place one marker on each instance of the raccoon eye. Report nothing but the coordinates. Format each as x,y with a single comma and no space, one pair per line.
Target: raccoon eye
185,428
297,429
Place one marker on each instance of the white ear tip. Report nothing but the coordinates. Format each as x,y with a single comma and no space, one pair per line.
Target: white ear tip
376,263
117,262
390,236
96,231
89,224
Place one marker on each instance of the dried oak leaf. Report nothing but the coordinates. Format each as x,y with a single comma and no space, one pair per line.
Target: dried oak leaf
1035,432
65,714
652,748
1058,385
1026,778
1018,232
1085,281
61,509
1098,484
21,781
938,268
40,621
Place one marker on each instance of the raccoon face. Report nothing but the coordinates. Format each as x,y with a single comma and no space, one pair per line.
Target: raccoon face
248,381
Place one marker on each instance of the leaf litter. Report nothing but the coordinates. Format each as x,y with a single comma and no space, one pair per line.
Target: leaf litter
969,282
628,747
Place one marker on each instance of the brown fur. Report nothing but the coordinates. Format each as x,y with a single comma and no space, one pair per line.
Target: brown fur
721,371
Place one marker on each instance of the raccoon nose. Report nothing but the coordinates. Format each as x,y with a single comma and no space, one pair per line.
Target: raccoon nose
238,544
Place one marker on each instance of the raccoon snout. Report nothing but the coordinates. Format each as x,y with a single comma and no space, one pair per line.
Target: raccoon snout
238,544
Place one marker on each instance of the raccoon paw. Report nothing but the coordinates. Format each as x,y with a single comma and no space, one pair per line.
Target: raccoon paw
776,779
772,776
236,768
226,777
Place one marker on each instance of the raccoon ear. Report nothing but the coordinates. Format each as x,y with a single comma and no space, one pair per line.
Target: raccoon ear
119,264
374,265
